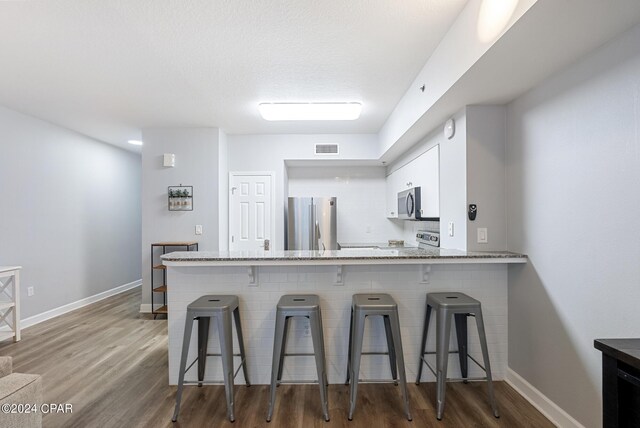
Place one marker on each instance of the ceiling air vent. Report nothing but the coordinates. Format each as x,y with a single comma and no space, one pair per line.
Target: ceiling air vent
326,149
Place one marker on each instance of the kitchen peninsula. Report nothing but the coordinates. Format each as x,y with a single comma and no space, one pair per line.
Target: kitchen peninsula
259,279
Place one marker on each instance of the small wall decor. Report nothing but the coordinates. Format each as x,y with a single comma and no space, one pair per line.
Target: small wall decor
181,198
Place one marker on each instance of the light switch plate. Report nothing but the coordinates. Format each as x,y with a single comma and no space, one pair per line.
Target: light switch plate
30,291
483,237
198,229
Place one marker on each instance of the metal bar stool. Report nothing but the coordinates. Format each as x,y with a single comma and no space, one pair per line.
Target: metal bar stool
298,305
460,306
364,305
203,309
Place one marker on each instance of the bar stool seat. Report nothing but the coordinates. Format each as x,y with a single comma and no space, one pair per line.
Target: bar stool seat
307,306
214,303
459,306
375,304
374,301
221,308
454,300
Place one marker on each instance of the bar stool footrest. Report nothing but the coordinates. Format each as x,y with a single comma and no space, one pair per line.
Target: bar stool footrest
204,382
297,382
394,381
242,363
452,352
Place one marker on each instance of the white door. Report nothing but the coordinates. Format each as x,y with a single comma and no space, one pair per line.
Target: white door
250,212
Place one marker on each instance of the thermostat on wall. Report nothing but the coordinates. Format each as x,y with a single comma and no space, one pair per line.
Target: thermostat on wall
169,160
449,128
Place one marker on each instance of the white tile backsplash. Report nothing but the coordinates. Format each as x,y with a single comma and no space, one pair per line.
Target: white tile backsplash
487,283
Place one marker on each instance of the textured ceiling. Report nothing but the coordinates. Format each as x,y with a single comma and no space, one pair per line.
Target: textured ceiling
109,68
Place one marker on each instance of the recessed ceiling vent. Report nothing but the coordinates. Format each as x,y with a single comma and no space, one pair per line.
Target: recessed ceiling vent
326,149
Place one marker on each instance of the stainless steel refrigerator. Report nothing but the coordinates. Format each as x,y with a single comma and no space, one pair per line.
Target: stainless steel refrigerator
312,224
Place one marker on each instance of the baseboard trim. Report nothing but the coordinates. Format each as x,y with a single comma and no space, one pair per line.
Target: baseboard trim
548,408
145,308
44,316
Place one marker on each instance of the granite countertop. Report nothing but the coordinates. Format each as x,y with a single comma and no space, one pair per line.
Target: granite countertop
363,245
351,256
351,245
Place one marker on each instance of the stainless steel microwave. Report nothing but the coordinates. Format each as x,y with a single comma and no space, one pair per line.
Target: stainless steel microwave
409,204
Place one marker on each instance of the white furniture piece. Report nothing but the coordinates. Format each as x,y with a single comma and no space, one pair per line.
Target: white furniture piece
10,298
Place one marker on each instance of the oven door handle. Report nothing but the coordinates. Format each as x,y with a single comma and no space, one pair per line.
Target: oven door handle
410,205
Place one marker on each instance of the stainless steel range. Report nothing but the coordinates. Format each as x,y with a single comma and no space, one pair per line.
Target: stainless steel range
427,239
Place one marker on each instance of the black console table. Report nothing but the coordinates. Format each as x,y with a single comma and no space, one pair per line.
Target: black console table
620,382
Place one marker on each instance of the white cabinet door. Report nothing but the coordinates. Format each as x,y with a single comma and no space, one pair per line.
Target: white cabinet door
424,172
393,187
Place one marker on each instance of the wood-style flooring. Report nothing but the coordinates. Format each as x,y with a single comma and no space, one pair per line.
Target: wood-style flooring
110,362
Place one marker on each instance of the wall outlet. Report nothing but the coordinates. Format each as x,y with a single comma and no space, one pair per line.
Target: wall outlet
450,228
483,237
30,291
198,229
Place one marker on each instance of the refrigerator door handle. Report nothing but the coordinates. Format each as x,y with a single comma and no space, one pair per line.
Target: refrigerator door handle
317,236
312,229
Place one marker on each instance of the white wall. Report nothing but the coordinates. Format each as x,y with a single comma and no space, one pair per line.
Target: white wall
573,174
453,182
69,212
361,213
197,165
472,170
486,187
456,54
269,152
223,189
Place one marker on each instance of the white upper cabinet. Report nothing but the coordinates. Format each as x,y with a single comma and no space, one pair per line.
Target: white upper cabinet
423,172
393,187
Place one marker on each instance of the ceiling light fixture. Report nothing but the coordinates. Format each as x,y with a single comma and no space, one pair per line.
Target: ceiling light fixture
310,111
494,17
135,142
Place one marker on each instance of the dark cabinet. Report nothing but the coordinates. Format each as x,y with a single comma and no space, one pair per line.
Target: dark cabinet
620,382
